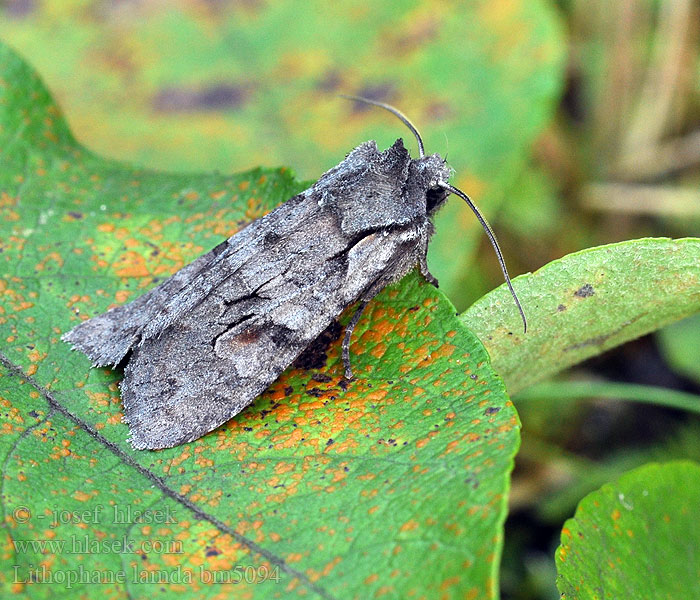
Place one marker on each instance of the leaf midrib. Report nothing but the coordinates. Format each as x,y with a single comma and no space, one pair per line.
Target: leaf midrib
124,458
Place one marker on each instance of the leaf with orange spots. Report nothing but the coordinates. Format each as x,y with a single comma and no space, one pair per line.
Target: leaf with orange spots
393,485
586,303
636,538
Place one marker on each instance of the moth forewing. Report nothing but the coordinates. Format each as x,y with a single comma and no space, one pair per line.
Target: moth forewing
205,343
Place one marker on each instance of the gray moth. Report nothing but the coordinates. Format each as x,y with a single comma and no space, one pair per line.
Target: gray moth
203,344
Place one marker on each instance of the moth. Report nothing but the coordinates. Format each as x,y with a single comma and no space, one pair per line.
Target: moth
203,344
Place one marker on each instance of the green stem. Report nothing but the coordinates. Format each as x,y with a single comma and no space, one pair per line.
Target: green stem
574,390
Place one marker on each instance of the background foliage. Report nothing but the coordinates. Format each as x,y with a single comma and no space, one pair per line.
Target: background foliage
228,86
573,124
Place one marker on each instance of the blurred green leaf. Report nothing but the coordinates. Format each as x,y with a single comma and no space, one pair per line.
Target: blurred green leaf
562,391
317,490
586,303
680,344
636,538
531,208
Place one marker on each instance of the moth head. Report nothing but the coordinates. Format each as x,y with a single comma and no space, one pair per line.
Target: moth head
432,174
434,171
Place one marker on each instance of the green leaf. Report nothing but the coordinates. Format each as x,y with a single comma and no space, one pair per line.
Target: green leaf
636,538
336,493
532,208
563,391
586,303
680,344
236,86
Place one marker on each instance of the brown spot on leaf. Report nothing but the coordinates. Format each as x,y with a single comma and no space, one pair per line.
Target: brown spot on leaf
598,340
419,33
330,82
438,111
214,97
382,92
18,8
315,357
585,291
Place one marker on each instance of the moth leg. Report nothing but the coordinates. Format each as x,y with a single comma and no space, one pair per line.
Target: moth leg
348,334
425,272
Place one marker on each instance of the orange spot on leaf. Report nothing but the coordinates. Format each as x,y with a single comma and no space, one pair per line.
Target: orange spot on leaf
409,525
131,264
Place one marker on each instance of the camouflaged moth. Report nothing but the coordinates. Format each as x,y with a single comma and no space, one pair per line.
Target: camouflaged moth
203,344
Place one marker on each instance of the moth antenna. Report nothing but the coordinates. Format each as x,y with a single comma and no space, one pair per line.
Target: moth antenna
494,242
394,111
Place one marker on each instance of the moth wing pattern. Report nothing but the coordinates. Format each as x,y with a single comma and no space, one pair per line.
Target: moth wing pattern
206,342
106,339
214,361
